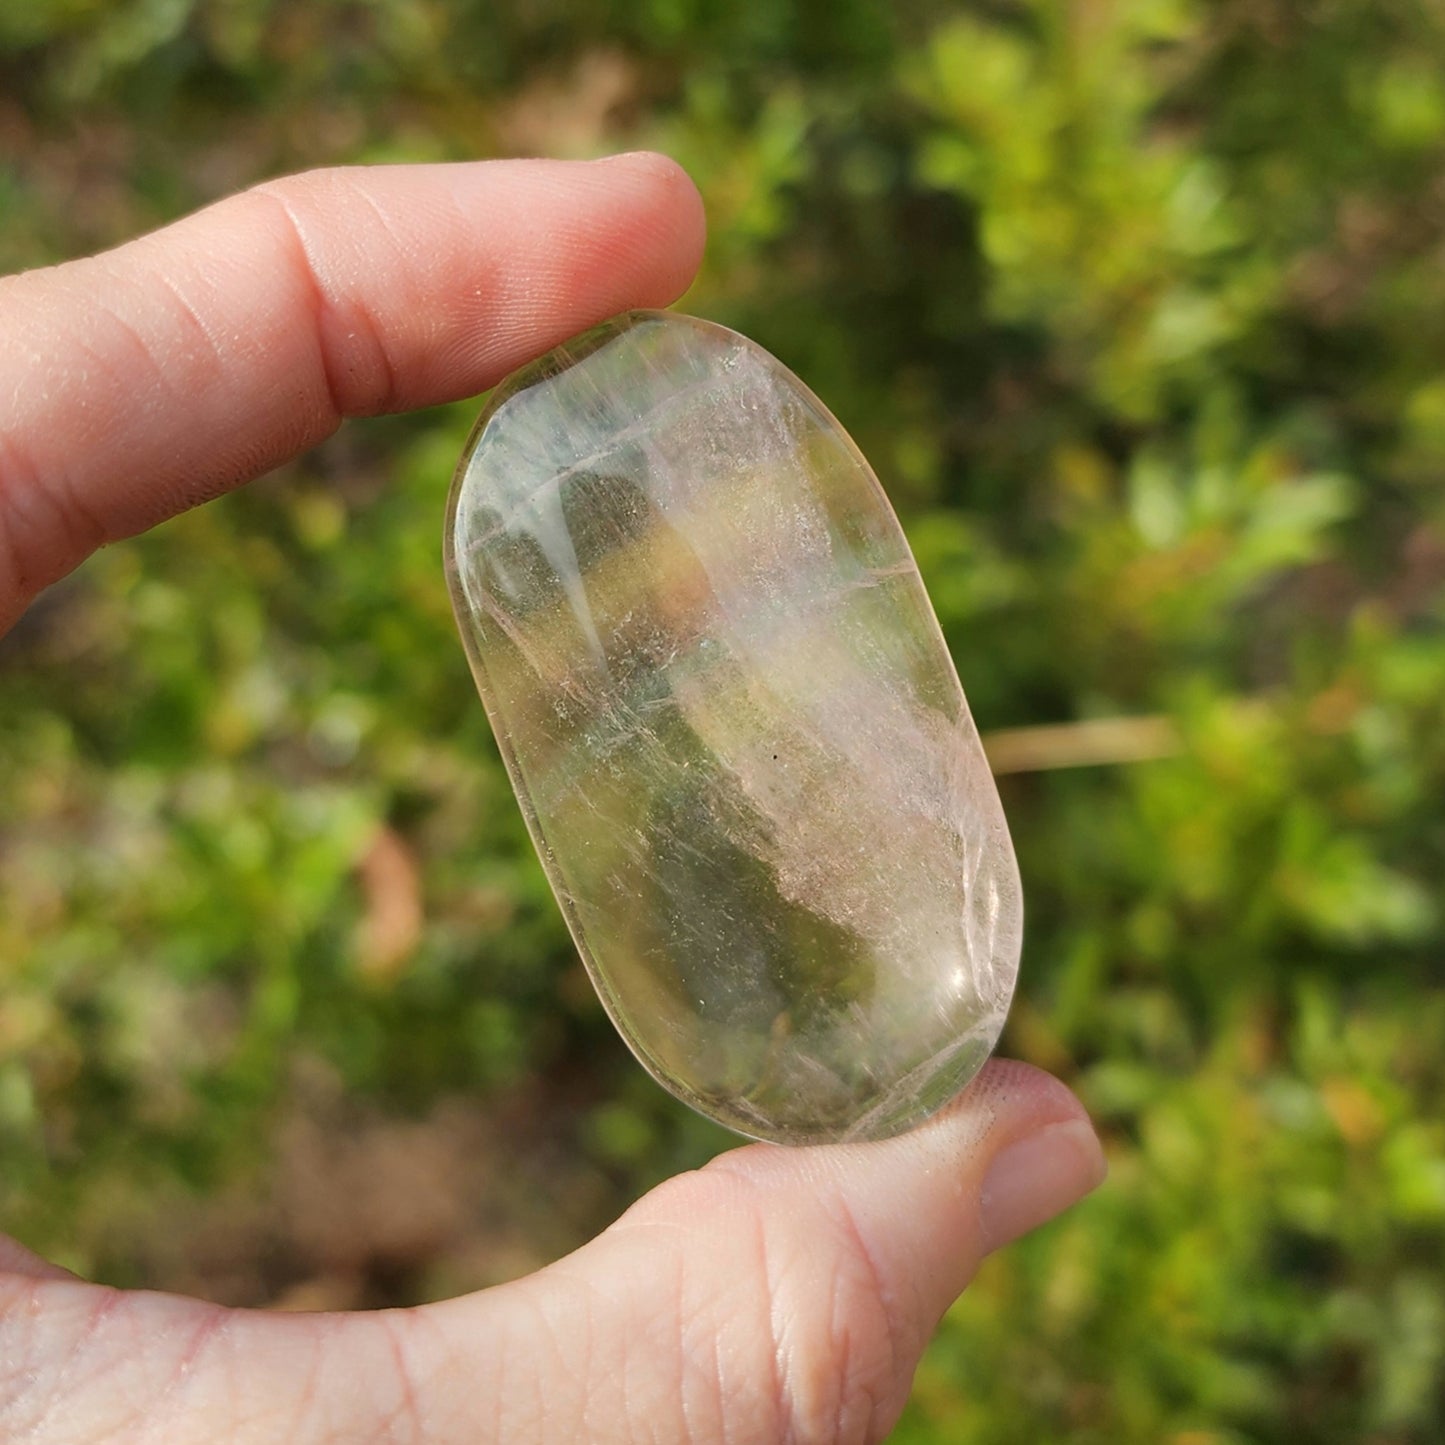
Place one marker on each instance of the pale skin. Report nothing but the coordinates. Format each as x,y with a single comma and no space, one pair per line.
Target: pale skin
775,1295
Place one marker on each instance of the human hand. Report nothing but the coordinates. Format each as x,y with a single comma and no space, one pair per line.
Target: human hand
777,1294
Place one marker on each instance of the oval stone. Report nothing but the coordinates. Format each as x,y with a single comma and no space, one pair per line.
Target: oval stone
735,731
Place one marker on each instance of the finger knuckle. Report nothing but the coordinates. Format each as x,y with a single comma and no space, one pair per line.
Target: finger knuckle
354,363
836,1339
828,1345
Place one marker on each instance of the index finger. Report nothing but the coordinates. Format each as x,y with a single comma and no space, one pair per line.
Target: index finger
151,378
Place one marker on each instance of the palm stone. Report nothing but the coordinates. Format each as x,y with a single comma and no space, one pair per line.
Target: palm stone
735,731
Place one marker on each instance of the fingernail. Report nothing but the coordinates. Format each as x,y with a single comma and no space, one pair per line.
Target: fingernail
1038,1177
641,160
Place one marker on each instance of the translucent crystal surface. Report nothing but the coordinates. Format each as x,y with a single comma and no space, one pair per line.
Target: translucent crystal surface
735,731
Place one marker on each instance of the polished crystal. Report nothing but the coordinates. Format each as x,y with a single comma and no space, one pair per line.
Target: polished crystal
735,731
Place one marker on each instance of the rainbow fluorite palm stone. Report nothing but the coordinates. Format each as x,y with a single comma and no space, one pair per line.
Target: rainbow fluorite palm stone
735,731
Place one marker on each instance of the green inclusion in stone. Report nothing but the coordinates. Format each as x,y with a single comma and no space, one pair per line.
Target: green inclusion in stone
735,731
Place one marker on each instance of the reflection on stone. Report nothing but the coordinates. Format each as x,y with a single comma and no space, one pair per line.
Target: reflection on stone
737,736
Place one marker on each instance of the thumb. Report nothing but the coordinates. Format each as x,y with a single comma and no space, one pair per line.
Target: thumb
777,1294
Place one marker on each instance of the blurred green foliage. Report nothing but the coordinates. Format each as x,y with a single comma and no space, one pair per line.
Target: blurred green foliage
1138,306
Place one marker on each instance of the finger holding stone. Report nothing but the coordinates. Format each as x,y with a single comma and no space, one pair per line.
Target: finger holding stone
151,378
